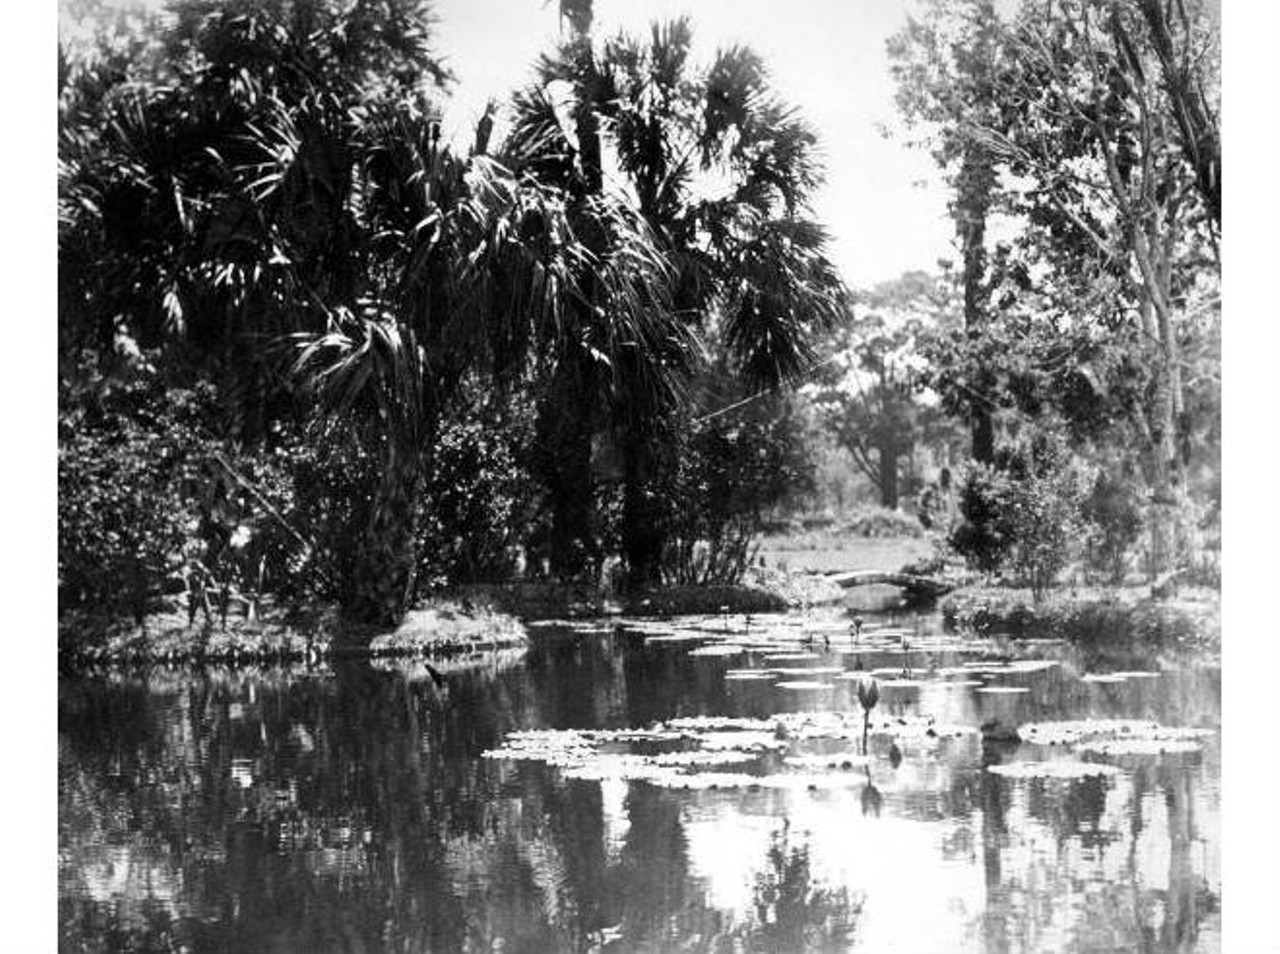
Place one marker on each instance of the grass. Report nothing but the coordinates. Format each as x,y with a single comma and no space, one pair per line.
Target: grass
1188,622
832,551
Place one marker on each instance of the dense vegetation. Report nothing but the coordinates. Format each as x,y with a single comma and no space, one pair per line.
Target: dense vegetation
404,361
310,350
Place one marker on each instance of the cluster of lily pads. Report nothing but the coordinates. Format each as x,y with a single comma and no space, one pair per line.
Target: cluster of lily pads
789,750
816,749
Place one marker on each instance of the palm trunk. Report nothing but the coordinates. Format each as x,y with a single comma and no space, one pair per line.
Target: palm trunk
385,562
642,537
566,427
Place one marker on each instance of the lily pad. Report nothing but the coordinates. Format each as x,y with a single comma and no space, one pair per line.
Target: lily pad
806,670
1062,768
1003,690
838,761
1071,732
791,657
803,685
718,649
1103,677
1141,747
751,675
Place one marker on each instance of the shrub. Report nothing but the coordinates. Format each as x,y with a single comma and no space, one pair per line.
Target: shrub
729,471
985,534
123,516
1025,512
148,497
476,506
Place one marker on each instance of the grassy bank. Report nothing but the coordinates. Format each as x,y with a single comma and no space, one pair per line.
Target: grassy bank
1190,621
471,619
440,628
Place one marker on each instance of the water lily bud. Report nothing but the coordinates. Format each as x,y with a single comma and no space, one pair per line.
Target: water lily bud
868,692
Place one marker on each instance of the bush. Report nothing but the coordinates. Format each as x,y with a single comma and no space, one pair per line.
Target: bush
1025,512
985,534
124,516
148,499
730,470
476,510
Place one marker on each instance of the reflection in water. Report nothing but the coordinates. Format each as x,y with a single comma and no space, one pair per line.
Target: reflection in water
351,811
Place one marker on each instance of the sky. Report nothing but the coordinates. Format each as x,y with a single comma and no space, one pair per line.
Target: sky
883,202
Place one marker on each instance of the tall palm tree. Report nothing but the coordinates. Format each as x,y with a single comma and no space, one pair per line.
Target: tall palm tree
474,268
722,171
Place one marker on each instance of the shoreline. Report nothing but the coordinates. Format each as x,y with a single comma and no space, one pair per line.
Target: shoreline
486,618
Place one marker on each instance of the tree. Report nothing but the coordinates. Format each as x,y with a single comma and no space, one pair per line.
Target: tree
877,407
1118,229
205,185
749,266
946,67
480,267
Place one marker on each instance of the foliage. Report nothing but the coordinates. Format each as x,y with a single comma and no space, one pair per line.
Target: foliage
1023,511
124,514
874,401
151,502
1113,511
749,268
731,469
1100,122
880,522
478,508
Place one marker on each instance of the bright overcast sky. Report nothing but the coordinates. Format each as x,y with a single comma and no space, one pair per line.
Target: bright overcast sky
826,56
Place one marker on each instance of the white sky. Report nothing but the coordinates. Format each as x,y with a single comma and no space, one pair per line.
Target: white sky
883,202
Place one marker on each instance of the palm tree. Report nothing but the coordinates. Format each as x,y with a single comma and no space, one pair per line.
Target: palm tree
722,171
603,361
471,268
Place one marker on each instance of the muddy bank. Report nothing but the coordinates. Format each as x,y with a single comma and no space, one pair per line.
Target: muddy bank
1190,621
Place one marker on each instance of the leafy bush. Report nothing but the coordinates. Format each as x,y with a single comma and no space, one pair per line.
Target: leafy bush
985,534
731,470
1025,512
477,509
124,516
148,499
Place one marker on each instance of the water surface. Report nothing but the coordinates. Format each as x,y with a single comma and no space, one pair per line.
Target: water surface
359,808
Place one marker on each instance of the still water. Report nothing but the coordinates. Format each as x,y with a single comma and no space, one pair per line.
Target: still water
648,788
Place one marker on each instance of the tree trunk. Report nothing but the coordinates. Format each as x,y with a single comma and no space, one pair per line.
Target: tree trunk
973,199
565,430
642,537
888,473
1166,474
385,562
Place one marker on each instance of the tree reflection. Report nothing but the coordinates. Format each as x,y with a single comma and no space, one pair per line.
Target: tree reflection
793,912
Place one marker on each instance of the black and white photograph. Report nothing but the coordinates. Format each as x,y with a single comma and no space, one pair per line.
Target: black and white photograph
598,477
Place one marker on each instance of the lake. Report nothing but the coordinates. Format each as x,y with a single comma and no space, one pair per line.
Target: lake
693,785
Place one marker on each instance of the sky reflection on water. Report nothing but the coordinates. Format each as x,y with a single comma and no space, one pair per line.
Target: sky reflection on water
354,810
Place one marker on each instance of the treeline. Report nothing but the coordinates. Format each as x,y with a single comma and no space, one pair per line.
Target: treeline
1077,337
309,348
